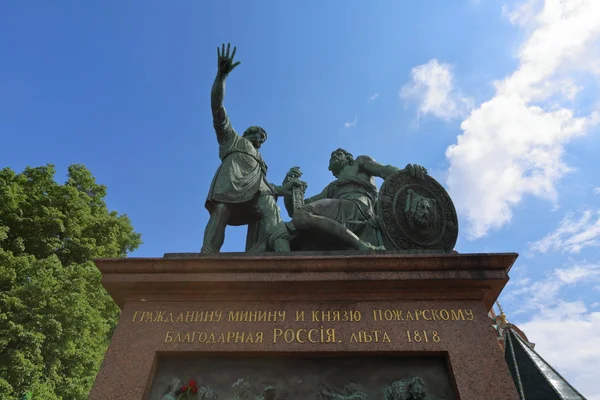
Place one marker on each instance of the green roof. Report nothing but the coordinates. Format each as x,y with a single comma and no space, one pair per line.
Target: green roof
534,377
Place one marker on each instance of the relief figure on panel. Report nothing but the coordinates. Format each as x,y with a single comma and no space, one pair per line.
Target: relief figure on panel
351,392
244,392
408,389
206,393
172,389
270,393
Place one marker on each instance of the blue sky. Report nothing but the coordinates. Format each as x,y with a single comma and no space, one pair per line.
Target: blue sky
496,98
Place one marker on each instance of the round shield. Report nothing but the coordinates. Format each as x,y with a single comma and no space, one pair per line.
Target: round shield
417,214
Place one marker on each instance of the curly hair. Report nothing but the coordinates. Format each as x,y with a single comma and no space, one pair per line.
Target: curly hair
347,154
255,129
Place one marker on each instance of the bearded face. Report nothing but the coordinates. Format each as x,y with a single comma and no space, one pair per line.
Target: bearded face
337,162
255,135
257,139
421,215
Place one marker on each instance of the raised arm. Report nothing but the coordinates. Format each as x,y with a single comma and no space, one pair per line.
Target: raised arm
225,65
373,168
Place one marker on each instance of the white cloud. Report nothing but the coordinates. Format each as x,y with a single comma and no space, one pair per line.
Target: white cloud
566,334
432,88
568,337
512,145
569,90
376,95
572,234
544,293
578,273
597,190
522,14
351,124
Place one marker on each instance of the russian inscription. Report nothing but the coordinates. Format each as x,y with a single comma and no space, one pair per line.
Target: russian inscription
320,335
187,317
211,337
370,337
256,316
423,315
312,326
301,316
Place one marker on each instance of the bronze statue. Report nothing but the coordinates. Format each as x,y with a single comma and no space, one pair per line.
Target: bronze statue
408,389
412,212
270,393
244,392
207,393
172,389
351,392
347,203
239,193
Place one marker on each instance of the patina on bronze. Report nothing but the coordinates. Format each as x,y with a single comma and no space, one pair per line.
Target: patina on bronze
345,205
300,378
240,193
412,213
310,325
417,214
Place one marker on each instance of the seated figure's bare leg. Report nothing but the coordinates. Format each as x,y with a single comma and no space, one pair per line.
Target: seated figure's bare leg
214,233
305,220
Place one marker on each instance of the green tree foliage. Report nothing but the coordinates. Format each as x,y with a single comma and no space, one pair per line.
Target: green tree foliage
55,317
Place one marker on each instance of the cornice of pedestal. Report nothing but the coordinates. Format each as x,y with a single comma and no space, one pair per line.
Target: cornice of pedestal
307,276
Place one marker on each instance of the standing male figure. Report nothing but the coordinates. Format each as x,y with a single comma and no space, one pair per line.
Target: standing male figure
239,193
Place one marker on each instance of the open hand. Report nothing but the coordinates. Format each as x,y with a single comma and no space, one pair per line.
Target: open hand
416,171
225,62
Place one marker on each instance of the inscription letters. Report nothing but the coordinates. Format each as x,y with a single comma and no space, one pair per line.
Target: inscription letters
206,337
188,316
370,337
320,335
304,334
423,315
257,316
314,316
336,316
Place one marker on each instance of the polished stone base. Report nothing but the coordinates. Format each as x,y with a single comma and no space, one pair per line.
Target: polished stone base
349,312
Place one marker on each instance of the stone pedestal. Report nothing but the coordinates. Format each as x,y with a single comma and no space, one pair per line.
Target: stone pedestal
373,318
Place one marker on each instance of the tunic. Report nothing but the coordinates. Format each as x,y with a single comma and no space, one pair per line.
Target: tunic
240,178
347,201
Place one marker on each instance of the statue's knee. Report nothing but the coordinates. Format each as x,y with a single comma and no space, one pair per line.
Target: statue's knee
221,210
298,215
300,218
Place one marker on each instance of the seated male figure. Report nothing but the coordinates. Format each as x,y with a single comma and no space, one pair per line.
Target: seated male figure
349,200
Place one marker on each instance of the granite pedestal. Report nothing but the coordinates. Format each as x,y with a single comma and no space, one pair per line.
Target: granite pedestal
304,322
